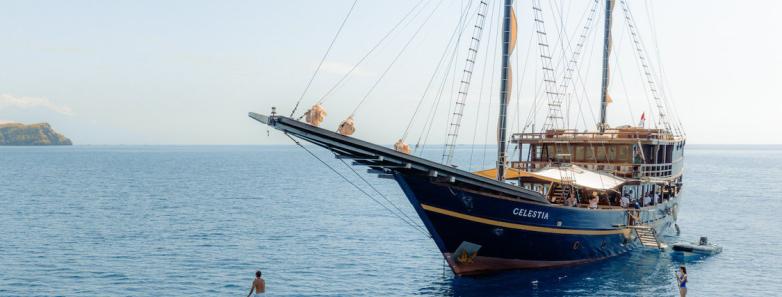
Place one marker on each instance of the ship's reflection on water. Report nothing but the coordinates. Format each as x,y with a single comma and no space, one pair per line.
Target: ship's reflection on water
643,273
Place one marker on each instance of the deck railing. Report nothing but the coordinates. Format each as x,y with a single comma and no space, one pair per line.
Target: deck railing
625,170
608,135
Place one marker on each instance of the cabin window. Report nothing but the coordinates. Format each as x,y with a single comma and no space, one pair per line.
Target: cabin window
538,152
589,153
623,153
579,153
612,153
563,149
601,153
551,152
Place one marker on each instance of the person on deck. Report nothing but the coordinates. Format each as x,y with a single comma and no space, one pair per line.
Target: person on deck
681,278
571,200
647,199
657,198
259,285
593,202
625,201
636,205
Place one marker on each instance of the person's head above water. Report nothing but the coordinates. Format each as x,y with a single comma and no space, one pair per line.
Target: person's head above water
258,273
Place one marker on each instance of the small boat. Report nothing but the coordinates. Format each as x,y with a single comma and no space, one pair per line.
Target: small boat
702,247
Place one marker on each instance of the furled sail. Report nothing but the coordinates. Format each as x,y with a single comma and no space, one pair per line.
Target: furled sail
609,48
347,127
511,48
401,146
513,32
509,43
315,115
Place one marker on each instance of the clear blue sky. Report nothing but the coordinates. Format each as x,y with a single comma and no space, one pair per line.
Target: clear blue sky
187,72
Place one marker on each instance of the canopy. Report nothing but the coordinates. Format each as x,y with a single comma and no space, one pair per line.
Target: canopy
581,177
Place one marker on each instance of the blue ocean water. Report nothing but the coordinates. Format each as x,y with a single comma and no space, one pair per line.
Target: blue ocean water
183,220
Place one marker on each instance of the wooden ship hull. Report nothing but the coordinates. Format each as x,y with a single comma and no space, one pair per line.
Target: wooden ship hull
505,233
481,225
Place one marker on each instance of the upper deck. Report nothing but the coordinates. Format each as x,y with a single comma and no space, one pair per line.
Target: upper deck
620,135
627,152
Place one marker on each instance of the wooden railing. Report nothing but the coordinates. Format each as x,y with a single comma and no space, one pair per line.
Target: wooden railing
570,135
625,170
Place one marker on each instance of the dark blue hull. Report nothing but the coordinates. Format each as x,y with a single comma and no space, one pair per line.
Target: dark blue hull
498,233
482,224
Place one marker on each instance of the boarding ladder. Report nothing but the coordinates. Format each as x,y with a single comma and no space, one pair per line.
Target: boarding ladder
566,178
648,236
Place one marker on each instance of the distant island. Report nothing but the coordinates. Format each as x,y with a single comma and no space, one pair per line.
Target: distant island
33,134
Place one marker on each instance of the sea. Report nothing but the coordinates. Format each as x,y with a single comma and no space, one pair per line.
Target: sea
200,220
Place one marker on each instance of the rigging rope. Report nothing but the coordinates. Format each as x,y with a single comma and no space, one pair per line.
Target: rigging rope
381,194
418,30
664,83
455,120
647,69
428,85
360,61
323,59
489,42
411,224
491,91
433,112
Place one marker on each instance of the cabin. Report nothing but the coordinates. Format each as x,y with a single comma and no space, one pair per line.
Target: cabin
624,161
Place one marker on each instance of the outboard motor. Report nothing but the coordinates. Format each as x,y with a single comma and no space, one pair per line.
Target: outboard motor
704,240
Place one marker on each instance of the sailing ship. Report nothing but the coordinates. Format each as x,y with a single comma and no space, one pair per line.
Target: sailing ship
570,197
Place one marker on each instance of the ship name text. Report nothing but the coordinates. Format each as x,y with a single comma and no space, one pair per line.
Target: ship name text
530,213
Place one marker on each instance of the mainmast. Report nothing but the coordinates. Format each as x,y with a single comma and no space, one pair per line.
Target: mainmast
508,43
604,97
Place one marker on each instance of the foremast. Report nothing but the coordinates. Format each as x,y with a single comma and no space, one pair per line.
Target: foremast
506,81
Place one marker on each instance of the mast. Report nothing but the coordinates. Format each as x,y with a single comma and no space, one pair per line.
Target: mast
604,97
508,43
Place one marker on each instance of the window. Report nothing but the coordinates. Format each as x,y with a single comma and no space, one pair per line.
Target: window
579,153
623,153
601,153
612,153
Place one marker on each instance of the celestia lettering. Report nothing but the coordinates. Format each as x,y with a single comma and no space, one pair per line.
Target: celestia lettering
530,213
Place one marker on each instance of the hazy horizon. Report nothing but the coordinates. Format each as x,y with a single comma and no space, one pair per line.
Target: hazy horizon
188,72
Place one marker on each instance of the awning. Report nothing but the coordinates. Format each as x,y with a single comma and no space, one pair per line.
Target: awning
581,177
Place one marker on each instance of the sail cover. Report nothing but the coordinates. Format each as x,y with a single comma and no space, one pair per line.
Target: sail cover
581,177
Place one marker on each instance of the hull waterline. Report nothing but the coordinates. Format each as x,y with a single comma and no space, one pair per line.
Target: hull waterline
481,225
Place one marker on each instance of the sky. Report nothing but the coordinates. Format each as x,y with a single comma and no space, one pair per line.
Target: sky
188,72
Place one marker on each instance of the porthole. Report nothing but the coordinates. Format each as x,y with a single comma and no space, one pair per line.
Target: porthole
603,245
576,245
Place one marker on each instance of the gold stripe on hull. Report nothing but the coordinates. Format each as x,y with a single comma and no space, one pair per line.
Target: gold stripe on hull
520,226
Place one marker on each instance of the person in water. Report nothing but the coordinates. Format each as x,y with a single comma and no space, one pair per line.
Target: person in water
681,277
259,285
